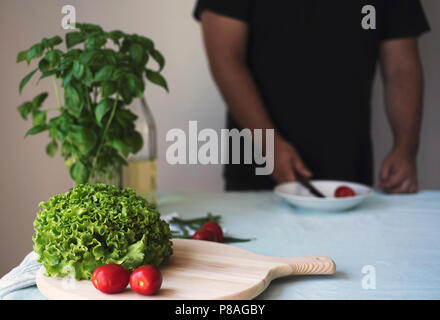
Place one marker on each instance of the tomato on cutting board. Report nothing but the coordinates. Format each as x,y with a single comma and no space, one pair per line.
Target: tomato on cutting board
344,191
146,280
110,278
214,228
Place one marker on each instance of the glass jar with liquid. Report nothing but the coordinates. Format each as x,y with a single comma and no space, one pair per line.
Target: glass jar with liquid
141,172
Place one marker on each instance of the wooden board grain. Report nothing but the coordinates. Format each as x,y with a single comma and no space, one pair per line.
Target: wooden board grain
200,270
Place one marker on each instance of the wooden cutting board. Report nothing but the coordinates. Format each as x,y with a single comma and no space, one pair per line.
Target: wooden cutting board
200,270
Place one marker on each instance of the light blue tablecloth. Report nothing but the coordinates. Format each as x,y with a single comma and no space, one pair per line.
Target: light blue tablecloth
399,236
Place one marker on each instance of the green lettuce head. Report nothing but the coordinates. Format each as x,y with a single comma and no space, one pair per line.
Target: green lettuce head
92,225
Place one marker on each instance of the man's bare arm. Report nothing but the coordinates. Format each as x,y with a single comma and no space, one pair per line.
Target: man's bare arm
226,45
403,78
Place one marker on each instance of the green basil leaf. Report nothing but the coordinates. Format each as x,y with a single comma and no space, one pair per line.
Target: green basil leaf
73,38
26,80
54,41
43,65
54,56
21,56
79,172
103,107
84,139
95,43
34,52
147,43
104,73
39,118
158,57
88,77
115,36
157,78
52,148
126,93
108,88
78,69
38,100
134,141
119,145
47,74
136,53
36,130
89,28
25,109
73,101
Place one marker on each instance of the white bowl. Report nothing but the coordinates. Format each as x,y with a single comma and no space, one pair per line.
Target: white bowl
296,194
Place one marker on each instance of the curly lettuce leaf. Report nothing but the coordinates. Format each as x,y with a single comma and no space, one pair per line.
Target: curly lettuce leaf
92,225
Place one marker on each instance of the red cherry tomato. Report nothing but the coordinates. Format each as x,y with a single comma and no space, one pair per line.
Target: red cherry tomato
215,228
205,235
110,278
344,191
146,280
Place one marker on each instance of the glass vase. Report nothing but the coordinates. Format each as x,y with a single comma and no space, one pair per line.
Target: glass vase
140,173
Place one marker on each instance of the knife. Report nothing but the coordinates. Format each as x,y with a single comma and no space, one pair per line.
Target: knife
306,183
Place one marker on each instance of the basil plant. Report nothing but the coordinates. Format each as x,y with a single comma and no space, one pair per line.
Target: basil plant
100,74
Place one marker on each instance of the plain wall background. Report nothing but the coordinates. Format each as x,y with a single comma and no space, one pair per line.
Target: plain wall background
28,176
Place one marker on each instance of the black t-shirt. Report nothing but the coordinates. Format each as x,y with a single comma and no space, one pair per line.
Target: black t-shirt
314,65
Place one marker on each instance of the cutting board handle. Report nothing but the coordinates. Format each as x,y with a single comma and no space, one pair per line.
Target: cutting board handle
315,265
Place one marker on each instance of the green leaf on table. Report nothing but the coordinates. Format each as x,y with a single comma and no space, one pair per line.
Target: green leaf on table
73,101
79,172
25,80
73,38
156,78
36,130
103,107
52,148
21,56
85,139
39,118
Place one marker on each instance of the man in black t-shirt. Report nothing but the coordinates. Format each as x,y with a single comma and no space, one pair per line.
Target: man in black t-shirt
305,68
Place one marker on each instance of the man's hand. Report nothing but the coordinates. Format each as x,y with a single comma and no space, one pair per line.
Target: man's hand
403,77
287,161
399,173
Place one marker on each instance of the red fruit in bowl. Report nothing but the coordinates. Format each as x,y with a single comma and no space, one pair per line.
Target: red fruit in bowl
344,191
214,228
146,280
205,235
110,278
